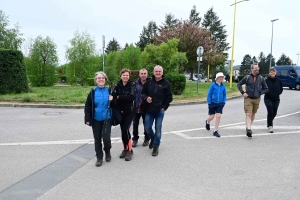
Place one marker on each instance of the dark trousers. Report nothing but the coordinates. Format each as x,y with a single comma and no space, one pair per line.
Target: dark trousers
125,126
272,107
136,122
101,129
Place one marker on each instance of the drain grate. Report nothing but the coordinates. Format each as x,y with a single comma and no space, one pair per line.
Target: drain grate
53,113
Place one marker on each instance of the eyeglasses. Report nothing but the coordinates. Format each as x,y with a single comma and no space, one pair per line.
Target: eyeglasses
100,78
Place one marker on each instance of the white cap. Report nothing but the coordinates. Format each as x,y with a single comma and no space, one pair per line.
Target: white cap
219,74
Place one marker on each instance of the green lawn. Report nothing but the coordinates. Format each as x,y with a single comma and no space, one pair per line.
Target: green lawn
69,95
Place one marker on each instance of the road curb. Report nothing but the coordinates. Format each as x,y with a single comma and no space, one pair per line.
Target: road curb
23,105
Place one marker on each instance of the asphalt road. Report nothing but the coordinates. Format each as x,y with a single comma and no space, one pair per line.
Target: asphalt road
48,153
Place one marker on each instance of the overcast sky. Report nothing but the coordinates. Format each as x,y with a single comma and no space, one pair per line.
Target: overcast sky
124,21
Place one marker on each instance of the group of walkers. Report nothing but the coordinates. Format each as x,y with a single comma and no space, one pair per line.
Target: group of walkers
252,86
149,98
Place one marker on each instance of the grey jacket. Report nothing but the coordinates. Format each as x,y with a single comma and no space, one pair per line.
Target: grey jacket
253,89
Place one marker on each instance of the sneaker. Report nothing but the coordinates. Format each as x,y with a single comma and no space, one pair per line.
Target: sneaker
270,129
216,133
129,155
107,157
134,143
145,143
249,132
123,154
151,144
207,126
98,163
155,150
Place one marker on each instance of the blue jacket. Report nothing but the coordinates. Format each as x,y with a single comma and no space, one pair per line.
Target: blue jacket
216,93
96,105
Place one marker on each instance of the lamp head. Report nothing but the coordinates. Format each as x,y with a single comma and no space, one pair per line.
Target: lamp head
274,20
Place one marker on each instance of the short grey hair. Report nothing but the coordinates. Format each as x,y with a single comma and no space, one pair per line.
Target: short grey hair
253,65
162,69
102,73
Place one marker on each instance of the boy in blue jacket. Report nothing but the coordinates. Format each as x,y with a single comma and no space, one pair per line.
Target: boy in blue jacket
216,99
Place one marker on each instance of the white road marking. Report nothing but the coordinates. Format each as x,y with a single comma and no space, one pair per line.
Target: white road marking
179,133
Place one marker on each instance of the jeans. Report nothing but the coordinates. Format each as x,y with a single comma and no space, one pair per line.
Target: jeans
101,129
272,107
149,119
136,121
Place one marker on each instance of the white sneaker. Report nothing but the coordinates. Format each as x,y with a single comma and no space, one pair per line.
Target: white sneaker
270,129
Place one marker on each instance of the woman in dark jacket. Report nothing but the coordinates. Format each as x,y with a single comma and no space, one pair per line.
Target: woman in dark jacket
272,98
124,96
98,117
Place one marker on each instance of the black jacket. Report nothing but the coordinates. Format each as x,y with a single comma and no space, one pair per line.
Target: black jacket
253,89
275,88
160,92
126,100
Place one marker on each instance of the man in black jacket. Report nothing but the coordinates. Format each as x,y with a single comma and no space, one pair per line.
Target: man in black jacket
255,86
272,98
158,95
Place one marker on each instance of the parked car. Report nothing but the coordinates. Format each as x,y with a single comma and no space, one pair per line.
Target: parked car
289,75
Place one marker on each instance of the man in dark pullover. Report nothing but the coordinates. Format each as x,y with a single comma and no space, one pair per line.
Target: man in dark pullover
272,98
158,95
255,86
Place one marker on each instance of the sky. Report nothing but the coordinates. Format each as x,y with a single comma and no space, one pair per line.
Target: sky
124,21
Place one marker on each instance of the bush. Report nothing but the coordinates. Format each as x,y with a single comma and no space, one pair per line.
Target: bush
177,82
63,79
13,77
90,81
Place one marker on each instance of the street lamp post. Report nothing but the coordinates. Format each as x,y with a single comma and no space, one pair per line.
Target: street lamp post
271,56
298,58
232,52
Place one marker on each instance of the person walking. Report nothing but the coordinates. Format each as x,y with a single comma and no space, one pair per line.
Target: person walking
216,99
98,117
158,95
124,97
140,112
255,86
272,97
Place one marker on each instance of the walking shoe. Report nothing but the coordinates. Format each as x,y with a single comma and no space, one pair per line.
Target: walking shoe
134,143
155,150
270,129
216,133
249,132
129,155
107,157
123,154
145,143
98,163
207,126
151,143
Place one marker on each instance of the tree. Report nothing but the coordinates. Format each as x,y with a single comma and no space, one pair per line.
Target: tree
254,60
147,35
263,66
112,45
166,54
190,38
265,70
284,60
218,33
9,38
82,48
246,64
42,62
169,23
194,17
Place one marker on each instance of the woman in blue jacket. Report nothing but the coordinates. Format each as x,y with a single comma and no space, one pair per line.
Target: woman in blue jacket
216,99
98,117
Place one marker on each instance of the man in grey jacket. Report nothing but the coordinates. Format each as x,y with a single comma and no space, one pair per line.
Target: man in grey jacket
255,86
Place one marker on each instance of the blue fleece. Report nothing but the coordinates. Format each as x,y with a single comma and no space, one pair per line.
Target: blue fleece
101,103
